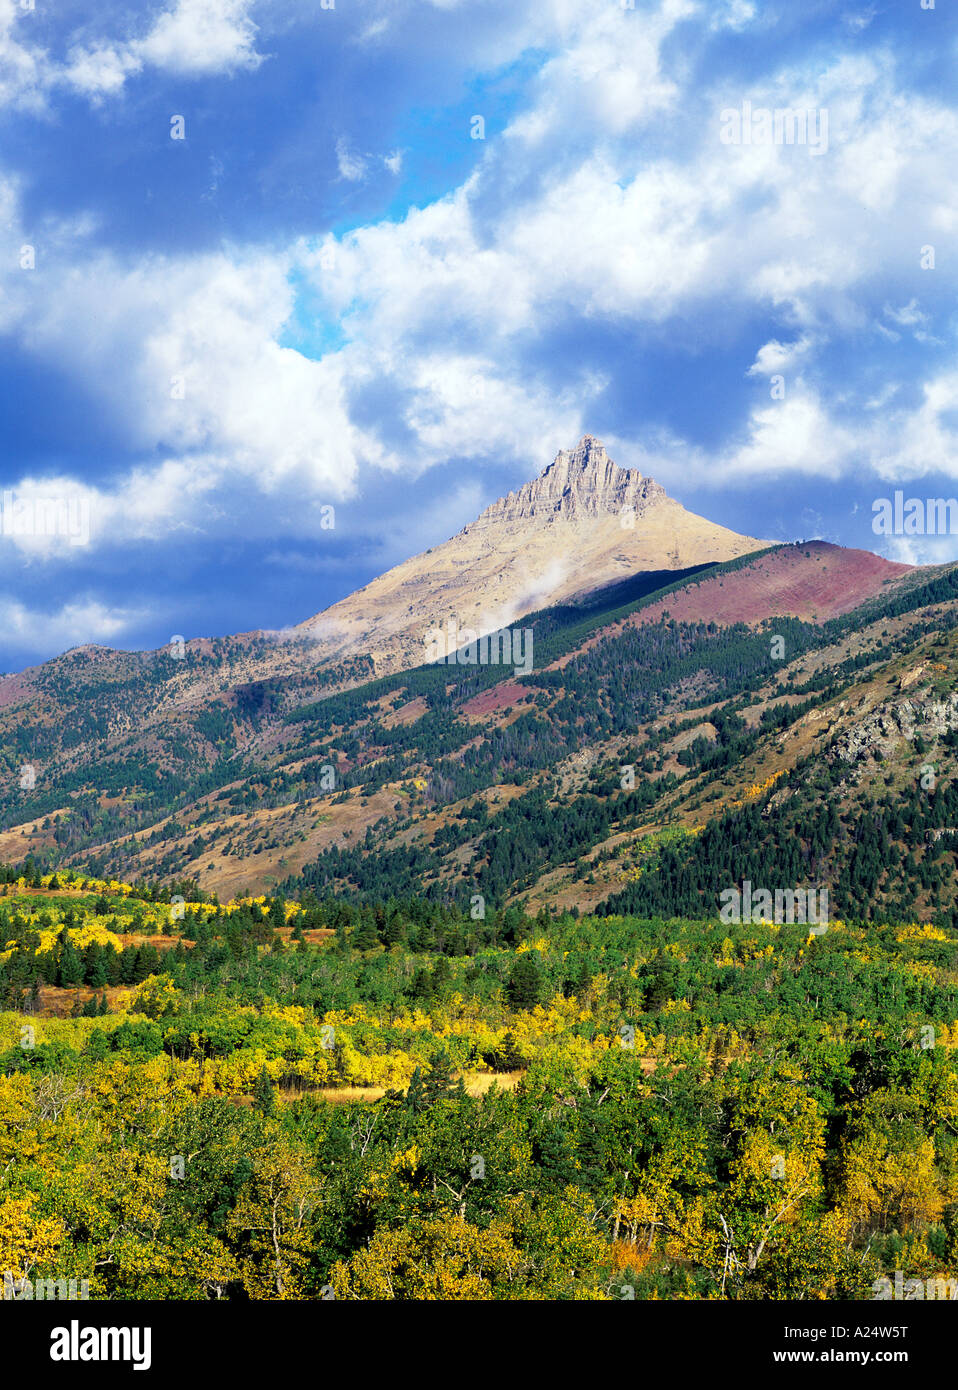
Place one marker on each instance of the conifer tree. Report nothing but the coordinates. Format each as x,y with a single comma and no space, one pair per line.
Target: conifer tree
264,1098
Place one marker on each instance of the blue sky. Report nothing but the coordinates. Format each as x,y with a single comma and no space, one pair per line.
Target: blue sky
330,294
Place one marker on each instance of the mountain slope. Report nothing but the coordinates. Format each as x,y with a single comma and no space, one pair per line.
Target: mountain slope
584,523
248,763
581,525
381,776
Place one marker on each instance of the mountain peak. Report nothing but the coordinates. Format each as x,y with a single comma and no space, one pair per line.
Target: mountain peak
579,482
589,455
582,524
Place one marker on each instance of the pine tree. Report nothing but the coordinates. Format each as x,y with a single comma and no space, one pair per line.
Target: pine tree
264,1097
507,1056
366,937
441,976
70,967
393,930
438,1081
94,968
525,982
414,1093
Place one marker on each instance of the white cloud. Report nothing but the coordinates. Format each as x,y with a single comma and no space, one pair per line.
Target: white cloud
462,405
611,196
608,74
623,234
352,167
24,71
923,439
775,357
631,235
795,435
860,20
733,14
102,70
910,316
374,30
922,550
73,624
194,38
185,355
202,36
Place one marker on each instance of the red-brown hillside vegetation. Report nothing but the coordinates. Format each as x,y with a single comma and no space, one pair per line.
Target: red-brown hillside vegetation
815,581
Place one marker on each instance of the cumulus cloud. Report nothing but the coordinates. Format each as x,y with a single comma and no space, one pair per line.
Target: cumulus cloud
608,200
100,70
774,357
74,624
186,356
920,439
194,38
795,435
622,234
202,36
608,75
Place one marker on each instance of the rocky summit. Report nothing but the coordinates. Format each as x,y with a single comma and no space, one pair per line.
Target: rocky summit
580,482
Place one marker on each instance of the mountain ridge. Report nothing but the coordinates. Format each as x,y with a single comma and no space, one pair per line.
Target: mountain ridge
249,761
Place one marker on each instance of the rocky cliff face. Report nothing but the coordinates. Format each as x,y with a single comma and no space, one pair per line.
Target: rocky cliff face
881,734
580,482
